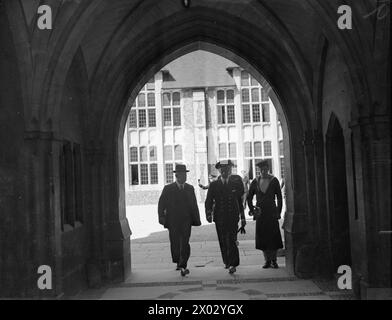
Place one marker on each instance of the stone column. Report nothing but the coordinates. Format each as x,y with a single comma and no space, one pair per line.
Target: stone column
96,264
42,216
323,259
372,142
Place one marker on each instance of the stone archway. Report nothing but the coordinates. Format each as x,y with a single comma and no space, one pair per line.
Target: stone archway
241,62
117,49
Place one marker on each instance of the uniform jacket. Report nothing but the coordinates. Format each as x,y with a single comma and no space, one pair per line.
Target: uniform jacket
225,202
177,207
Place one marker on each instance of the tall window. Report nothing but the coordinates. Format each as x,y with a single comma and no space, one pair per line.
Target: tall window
225,106
228,151
143,112
252,96
172,155
143,166
252,153
171,102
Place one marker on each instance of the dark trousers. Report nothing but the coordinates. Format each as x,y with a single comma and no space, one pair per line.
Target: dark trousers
179,244
227,237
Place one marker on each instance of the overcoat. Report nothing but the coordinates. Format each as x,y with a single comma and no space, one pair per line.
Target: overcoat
268,235
178,207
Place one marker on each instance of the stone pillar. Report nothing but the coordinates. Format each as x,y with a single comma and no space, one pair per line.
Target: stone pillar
160,130
200,142
372,143
296,222
323,256
96,264
116,235
42,217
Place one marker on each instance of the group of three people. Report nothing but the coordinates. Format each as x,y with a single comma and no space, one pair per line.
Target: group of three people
178,212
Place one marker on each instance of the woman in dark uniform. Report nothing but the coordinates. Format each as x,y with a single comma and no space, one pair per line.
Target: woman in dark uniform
268,238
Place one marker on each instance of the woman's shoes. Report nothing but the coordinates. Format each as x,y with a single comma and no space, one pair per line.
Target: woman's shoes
267,265
232,269
184,272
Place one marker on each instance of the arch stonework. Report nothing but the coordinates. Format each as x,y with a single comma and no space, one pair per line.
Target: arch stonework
145,38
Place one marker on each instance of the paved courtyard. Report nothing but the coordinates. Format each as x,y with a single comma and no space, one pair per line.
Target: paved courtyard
153,275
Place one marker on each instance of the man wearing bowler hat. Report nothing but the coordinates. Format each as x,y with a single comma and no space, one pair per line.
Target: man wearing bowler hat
178,212
224,206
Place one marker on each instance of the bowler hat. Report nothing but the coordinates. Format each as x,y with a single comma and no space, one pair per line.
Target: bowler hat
224,163
180,168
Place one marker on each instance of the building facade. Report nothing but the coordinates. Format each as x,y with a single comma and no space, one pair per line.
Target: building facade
175,119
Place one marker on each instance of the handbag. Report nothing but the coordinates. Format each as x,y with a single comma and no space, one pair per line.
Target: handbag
256,212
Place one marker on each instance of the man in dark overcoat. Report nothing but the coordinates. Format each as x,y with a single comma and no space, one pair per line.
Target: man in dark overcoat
178,212
224,206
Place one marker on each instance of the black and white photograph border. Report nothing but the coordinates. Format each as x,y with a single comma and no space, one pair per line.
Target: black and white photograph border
230,150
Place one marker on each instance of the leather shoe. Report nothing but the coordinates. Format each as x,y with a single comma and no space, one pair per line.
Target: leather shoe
232,270
184,271
275,265
267,265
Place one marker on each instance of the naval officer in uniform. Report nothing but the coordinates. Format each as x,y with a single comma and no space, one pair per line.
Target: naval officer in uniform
224,206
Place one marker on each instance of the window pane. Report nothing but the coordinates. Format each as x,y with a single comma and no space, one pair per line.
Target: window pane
230,114
144,173
258,149
244,78
142,119
166,99
222,151
267,149
248,149
246,113
152,122
169,172
134,174
264,95
220,96
141,100
176,99
255,95
176,116
132,119
253,81
266,112
143,154
178,152
232,150
154,173
151,99
282,168
245,95
153,154
230,96
167,117
281,148
256,113
221,115
168,154
133,154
